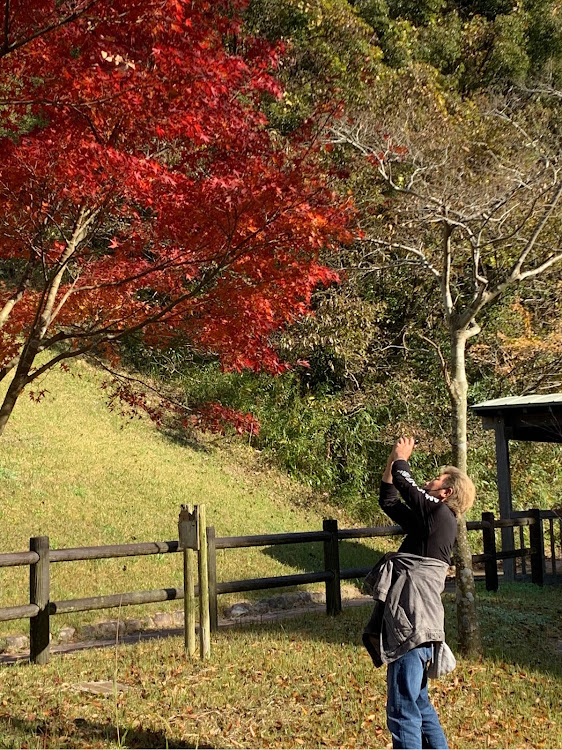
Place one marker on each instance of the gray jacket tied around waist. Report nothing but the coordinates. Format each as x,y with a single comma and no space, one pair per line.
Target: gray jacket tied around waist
408,608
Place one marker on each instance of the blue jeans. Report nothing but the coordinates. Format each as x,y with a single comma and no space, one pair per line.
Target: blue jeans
412,720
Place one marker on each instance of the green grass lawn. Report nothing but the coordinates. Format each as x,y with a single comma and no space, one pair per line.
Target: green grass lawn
82,475
302,682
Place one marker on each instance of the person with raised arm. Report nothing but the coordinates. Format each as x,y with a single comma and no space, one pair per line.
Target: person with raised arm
406,629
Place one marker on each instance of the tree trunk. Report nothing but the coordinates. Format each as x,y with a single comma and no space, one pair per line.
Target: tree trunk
467,621
19,381
16,387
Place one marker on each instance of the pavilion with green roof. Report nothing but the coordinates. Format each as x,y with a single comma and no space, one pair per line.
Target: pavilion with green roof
534,418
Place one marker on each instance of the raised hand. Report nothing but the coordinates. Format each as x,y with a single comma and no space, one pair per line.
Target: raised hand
403,448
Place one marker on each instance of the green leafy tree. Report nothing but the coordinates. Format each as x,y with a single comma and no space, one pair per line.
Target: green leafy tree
328,59
475,44
473,200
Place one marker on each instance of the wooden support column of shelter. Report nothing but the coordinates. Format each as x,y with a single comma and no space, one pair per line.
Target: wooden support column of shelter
503,433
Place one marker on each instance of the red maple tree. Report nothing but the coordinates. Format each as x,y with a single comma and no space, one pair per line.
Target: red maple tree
141,190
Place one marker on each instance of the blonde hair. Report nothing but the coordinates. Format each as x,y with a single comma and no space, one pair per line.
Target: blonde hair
464,491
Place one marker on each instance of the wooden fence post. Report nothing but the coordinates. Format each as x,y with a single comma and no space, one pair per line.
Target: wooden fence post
187,534
332,565
212,568
537,547
39,594
204,616
522,546
552,546
489,539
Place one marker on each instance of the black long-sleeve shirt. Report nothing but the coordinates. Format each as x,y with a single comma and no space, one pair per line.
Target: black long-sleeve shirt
430,526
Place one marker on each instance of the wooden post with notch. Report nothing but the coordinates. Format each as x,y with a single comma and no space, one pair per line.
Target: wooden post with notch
188,540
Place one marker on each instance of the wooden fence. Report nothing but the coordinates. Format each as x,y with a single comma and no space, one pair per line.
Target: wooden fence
39,558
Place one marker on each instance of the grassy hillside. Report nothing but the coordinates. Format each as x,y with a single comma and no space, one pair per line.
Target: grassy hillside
73,470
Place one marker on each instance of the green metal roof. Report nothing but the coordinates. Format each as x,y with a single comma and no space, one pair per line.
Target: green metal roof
534,418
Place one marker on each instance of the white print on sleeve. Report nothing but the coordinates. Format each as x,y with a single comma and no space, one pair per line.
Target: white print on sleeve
408,478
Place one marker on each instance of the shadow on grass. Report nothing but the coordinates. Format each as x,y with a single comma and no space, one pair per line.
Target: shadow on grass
179,435
310,557
520,624
81,733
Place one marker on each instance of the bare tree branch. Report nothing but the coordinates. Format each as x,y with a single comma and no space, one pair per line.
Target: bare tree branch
7,48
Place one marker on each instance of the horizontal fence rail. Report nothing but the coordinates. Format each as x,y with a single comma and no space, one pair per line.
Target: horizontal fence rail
115,600
112,550
20,612
370,531
269,540
40,556
18,559
259,584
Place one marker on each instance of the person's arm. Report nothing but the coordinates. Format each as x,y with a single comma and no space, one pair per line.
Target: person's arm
419,502
389,500
387,474
415,498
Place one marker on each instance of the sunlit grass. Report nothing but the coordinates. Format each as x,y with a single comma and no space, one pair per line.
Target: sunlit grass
304,682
